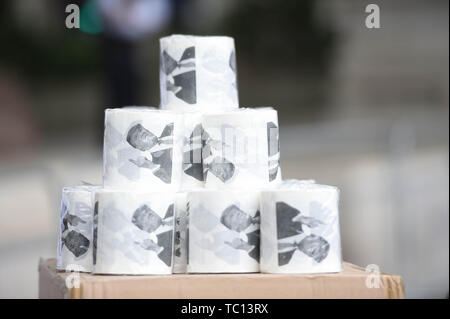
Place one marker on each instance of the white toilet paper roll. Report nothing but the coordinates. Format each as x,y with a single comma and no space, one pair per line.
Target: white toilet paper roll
180,245
192,151
241,149
223,231
198,73
134,232
300,228
143,149
75,242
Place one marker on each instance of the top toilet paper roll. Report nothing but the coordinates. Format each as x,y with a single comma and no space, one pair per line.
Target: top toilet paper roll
75,240
143,149
300,228
198,73
241,149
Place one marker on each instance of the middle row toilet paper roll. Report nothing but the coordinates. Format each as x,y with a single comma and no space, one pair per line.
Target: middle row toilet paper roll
143,149
241,149
223,231
133,232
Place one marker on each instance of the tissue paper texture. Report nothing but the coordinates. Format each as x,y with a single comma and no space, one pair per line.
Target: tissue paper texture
241,149
142,149
76,229
134,232
180,249
198,73
300,229
192,152
223,231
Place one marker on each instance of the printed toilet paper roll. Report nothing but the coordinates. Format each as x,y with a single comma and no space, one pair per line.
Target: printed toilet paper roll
300,228
143,149
180,245
192,151
223,231
241,149
134,233
198,73
75,245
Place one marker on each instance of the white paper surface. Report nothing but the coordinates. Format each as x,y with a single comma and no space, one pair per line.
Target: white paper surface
300,229
223,231
75,241
192,151
241,149
134,232
180,249
198,73
143,149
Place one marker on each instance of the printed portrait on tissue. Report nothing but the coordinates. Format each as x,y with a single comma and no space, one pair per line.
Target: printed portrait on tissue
295,233
76,230
180,74
192,155
213,150
134,238
198,72
75,241
144,150
232,237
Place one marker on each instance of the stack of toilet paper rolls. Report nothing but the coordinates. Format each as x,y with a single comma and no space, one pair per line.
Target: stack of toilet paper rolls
191,186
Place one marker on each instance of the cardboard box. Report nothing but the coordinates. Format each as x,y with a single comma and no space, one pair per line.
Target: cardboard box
350,283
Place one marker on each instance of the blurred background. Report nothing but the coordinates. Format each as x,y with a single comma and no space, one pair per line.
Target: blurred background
363,109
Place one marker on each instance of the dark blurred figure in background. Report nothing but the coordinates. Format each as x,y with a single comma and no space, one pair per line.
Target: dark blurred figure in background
126,22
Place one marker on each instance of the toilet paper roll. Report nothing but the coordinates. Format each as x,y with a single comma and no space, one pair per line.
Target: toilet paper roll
134,232
198,73
75,244
192,151
300,228
180,246
241,149
223,232
143,149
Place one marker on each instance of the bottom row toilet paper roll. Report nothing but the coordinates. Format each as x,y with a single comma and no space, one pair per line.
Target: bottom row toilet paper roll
134,232
300,228
75,245
223,231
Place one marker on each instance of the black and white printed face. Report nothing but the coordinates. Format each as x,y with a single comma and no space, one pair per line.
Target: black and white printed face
292,233
141,138
235,219
141,149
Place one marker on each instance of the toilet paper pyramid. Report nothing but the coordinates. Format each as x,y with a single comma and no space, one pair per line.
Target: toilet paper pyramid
196,185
